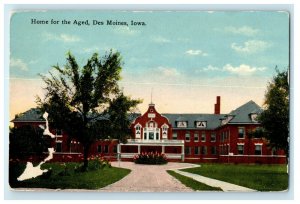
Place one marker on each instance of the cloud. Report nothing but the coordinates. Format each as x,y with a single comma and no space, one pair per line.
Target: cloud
18,64
90,49
209,68
124,30
251,46
168,71
244,30
62,37
243,69
160,39
196,52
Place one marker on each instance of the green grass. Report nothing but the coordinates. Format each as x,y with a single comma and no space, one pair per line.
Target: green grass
258,177
84,180
193,184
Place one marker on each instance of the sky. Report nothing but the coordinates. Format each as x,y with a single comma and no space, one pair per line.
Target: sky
185,59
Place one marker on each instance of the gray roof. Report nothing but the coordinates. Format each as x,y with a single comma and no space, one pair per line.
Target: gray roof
213,120
33,114
242,113
36,115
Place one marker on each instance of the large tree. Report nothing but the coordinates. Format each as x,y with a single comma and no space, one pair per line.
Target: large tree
79,100
27,141
275,117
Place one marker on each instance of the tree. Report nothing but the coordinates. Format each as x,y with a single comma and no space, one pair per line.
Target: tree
275,117
27,141
78,99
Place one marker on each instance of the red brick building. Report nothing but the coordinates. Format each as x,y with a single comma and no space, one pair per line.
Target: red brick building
195,137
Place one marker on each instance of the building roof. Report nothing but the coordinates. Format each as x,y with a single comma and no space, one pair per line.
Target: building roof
32,115
36,115
213,120
242,113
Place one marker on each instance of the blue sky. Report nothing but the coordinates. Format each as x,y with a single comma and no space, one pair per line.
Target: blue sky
186,58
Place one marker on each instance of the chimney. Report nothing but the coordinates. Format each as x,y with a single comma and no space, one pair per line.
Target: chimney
218,105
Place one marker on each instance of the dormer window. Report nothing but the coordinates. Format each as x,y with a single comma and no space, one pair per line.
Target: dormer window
226,119
181,124
200,124
253,117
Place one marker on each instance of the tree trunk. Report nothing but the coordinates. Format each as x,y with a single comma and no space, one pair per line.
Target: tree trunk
85,156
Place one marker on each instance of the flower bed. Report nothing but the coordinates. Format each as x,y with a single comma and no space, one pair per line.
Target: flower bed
150,158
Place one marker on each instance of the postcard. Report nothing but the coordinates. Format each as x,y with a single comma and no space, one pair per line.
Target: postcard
149,101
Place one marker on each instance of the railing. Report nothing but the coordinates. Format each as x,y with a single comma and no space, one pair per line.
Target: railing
137,141
169,156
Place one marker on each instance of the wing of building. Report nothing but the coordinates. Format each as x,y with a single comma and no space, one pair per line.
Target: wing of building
225,138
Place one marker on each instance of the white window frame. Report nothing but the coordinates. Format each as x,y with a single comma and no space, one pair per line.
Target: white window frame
174,133
215,137
257,145
240,145
187,133
244,134
196,133
203,133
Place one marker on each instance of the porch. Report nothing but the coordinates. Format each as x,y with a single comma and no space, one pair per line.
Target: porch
173,149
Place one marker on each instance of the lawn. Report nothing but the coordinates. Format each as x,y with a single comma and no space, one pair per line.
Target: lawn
258,177
193,184
65,177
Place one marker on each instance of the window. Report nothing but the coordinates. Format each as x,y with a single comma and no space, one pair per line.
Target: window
58,132
58,147
241,132
213,137
181,124
187,136
138,127
174,136
99,149
258,149
145,136
164,131
196,137
197,150
213,150
240,149
151,125
115,149
106,149
201,124
151,135
204,150
187,150
157,136
203,137
258,132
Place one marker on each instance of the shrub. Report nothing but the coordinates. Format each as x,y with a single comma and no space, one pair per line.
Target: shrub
47,174
150,158
95,163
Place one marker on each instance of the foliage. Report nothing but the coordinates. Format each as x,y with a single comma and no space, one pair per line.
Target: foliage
150,158
97,162
258,177
79,100
26,142
85,180
193,184
275,117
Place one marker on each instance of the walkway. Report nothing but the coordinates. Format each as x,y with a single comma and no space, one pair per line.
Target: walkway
227,187
148,178
154,178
